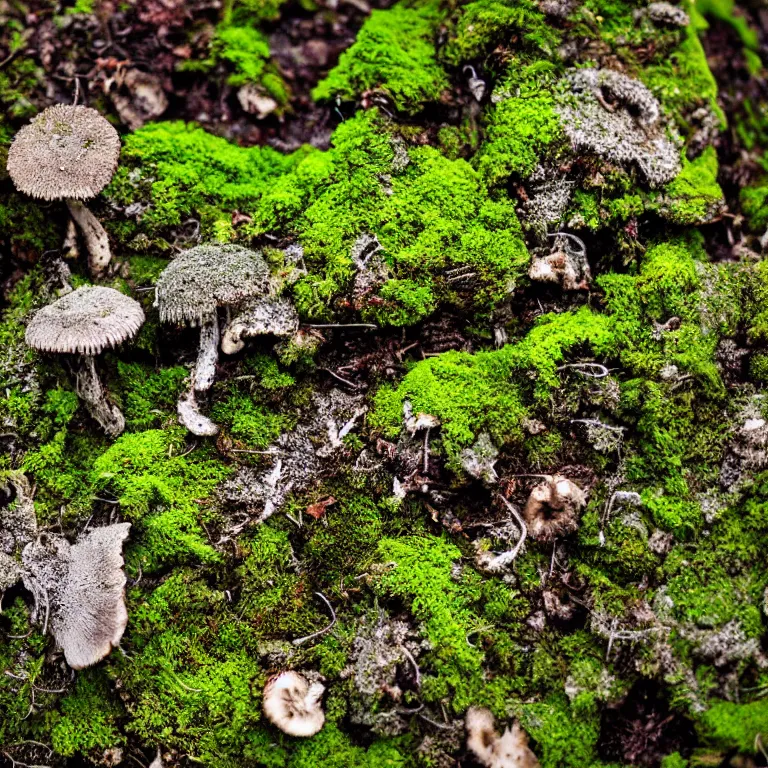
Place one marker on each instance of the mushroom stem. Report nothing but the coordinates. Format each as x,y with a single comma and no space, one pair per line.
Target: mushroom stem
94,237
191,418
91,392
207,355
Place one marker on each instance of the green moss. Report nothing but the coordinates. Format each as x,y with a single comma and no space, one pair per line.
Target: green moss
437,217
478,27
475,393
754,203
695,195
421,572
734,726
675,760
565,739
193,677
90,718
149,396
332,749
162,492
683,80
521,127
394,53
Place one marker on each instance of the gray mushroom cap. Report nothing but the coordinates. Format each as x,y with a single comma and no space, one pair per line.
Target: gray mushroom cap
64,152
206,277
86,585
85,322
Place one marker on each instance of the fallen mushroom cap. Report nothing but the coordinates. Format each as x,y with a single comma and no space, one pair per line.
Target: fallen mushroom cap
510,750
552,507
85,322
206,277
85,583
293,705
64,152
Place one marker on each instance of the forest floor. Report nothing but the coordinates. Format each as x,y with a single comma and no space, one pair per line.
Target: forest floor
514,453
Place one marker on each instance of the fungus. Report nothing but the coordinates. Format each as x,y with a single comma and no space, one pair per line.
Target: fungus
666,13
620,120
86,585
195,285
552,508
10,572
479,460
510,750
293,705
566,264
84,323
68,153
260,317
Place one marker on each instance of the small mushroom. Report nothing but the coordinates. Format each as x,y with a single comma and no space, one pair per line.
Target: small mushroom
196,284
510,750
260,317
85,585
293,705
84,323
68,153
552,508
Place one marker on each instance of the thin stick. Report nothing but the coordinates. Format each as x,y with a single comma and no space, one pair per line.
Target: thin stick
302,640
342,325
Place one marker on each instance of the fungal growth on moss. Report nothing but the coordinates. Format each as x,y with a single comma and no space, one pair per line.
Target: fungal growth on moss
85,585
620,120
508,750
78,587
566,264
81,325
294,705
191,290
273,316
68,153
553,508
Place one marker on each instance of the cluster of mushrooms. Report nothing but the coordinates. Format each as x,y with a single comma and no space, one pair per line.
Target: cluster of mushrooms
70,153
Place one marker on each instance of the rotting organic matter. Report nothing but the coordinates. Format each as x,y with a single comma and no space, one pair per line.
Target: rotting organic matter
480,475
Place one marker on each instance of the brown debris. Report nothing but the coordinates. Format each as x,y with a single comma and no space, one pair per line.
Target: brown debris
552,508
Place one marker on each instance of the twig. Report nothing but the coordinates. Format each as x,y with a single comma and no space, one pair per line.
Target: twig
584,369
340,378
341,325
302,640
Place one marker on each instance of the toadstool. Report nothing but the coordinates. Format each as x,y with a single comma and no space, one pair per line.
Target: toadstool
191,290
85,583
68,153
84,323
552,508
293,705
262,316
509,750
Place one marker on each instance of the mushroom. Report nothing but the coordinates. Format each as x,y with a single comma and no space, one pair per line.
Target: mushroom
68,153
84,323
552,508
191,289
259,317
510,750
293,705
85,588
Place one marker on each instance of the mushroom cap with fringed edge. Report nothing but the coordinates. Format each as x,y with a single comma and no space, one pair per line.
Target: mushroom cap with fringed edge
206,277
85,322
64,152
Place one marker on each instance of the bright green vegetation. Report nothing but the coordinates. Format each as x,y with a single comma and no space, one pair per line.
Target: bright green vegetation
215,599
393,54
432,216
